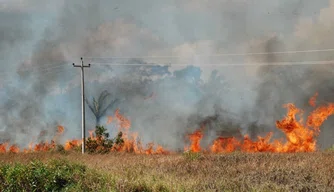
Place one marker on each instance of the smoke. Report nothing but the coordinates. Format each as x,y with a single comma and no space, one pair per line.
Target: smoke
297,83
40,40
25,113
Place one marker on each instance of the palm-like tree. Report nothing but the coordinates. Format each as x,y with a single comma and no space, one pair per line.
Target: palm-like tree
99,107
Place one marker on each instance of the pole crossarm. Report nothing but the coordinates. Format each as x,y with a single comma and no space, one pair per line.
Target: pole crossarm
82,66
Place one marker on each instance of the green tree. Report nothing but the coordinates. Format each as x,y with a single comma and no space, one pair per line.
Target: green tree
100,106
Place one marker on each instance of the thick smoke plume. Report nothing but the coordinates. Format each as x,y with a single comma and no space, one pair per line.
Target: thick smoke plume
281,84
40,90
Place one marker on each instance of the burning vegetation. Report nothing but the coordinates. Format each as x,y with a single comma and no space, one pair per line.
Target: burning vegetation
300,137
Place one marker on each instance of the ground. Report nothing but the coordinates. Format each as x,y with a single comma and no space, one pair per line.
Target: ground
203,172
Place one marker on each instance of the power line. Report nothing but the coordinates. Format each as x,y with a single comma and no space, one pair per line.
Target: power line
39,69
46,70
52,73
219,54
49,73
324,62
43,68
44,65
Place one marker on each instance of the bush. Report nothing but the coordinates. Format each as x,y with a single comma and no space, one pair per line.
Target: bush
331,148
57,175
101,143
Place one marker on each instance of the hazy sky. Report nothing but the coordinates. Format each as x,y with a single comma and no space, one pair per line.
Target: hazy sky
41,37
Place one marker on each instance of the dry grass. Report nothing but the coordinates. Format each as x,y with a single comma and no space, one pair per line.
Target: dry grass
227,172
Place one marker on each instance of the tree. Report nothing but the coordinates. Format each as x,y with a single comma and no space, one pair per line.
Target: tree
97,106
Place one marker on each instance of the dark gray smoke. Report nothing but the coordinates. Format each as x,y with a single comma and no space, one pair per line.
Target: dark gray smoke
163,103
281,84
25,110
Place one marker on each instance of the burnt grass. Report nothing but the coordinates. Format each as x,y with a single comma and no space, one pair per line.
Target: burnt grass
185,172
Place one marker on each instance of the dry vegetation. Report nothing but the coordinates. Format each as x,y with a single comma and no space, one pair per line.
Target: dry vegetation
200,172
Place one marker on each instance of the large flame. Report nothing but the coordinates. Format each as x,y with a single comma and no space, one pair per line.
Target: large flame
300,136
195,139
223,144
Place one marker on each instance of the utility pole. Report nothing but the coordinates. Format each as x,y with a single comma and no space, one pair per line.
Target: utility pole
82,66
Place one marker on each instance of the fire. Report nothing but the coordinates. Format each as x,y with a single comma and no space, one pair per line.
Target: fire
30,148
14,149
3,147
124,123
60,129
300,136
161,150
149,149
222,145
72,144
131,143
195,139
313,99
45,146
110,118
319,115
261,145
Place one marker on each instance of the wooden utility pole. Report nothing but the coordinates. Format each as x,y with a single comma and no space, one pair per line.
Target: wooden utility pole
82,66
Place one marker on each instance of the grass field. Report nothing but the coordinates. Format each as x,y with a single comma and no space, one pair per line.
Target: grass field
180,172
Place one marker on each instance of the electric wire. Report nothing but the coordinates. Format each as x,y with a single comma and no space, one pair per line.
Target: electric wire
219,54
323,62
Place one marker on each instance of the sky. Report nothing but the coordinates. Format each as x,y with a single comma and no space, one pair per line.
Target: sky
39,40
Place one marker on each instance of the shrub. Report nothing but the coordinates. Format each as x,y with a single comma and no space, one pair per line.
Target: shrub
57,175
331,148
101,143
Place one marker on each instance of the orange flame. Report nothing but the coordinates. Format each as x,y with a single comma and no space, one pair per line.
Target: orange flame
261,145
3,147
109,120
71,144
44,146
222,145
195,139
300,136
14,149
161,150
123,121
313,99
30,148
131,143
60,129
319,115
